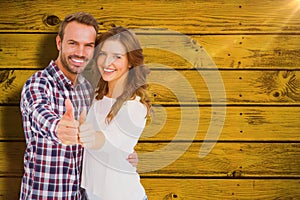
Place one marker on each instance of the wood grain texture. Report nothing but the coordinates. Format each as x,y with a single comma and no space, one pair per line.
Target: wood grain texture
216,189
181,159
192,123
176,51
195,86
224,83
191,189
233,159
218,17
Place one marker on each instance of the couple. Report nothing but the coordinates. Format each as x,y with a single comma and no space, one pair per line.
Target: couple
54,102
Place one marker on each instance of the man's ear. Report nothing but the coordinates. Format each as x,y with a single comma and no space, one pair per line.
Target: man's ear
58,42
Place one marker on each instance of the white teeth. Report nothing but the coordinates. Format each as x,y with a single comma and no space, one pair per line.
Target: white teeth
79,61
108,70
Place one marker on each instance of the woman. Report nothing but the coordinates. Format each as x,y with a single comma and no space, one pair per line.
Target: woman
116,119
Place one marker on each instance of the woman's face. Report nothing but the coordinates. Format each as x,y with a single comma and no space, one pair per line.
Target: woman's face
113,62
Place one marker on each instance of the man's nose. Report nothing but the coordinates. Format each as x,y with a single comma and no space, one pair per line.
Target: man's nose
80,51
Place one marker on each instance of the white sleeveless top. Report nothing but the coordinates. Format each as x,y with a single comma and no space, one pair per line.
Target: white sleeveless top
106,172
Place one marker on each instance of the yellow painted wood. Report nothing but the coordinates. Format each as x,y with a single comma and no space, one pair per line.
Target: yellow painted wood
241,124
195,86
255,46
10,123
10,188
182,159
171,51
185,16
191,123
12,154
224,160
193,189
216,189
232,87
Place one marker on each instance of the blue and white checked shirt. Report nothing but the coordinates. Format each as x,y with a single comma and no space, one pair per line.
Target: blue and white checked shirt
51,170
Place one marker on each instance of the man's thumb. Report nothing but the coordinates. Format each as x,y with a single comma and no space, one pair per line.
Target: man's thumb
82,117
69,109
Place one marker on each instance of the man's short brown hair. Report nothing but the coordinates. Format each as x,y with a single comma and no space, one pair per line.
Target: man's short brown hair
80,17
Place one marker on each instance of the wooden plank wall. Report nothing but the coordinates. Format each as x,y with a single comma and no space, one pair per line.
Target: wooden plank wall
227,120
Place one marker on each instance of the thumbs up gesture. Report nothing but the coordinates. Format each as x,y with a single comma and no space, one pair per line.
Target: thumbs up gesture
89,137
67,128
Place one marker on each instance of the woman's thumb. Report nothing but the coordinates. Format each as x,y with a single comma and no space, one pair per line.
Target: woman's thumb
82,117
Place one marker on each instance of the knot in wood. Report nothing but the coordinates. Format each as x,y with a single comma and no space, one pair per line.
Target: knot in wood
51,20
276,93
170,196
237,174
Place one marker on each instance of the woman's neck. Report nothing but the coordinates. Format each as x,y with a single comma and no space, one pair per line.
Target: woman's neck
116,89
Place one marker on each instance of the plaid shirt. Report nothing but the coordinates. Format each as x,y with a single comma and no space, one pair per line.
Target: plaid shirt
51,170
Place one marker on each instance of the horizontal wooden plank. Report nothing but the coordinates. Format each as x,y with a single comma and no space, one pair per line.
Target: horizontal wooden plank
219,159
176,51
185,16
252,51
194,160
195,124
194,86
10,188
194,189
237,124
216,189
12,154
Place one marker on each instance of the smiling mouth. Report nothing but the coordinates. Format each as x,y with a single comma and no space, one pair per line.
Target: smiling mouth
77,60
108,70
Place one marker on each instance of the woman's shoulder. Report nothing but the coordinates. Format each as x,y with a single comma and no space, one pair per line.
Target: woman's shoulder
135,106
136,102
133,113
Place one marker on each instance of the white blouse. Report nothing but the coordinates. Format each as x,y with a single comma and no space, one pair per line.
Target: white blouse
107,174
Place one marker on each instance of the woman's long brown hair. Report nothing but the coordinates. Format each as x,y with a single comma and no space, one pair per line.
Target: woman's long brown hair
136,80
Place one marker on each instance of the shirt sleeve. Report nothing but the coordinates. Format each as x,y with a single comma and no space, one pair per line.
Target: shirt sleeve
125,129
130,120
37,109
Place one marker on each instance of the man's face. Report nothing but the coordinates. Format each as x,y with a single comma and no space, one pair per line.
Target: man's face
76,48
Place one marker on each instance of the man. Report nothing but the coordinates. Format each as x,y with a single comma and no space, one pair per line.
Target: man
51,103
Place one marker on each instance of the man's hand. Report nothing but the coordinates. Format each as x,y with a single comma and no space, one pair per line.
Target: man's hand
67,128
133,159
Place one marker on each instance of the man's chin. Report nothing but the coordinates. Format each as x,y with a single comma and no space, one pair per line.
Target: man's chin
78,69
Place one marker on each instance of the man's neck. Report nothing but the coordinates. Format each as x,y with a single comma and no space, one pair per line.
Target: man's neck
71,76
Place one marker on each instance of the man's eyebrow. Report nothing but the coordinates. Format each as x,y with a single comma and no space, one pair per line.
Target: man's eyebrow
71,40
91,43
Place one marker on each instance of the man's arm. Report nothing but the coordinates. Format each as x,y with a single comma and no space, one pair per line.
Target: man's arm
40,116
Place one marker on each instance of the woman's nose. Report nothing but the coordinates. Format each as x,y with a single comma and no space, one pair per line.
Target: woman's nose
109,60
